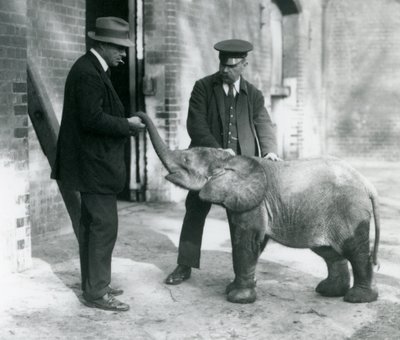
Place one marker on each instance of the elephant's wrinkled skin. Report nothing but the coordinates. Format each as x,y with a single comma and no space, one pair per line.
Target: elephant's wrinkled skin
322,204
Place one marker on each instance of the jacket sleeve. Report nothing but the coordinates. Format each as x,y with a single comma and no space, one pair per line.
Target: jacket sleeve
197,125
265,129
90,93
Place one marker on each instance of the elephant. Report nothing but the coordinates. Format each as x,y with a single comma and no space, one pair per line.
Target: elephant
318,203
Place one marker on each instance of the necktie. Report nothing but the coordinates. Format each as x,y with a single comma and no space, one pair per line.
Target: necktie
230,92
230,97
230,119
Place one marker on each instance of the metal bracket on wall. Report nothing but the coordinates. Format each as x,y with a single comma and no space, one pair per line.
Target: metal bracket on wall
280,91
149,86
262,23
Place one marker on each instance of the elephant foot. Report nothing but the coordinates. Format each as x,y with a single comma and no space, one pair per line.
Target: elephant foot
359,294
329,287
233,285
242,295
230,287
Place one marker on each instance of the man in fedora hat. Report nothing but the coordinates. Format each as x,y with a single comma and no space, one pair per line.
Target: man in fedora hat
225,111
90,156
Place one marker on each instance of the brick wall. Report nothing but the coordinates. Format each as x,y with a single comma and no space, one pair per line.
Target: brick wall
52,35
363,46
15,249
56,38
154,26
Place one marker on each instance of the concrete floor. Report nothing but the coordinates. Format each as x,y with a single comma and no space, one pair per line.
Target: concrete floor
42,303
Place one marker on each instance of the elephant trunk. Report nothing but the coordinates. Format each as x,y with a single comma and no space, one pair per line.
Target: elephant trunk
163,152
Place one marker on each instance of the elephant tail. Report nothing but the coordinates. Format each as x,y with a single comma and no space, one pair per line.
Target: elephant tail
373,195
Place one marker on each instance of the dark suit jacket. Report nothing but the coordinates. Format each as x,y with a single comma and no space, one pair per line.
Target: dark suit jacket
206,121
93,131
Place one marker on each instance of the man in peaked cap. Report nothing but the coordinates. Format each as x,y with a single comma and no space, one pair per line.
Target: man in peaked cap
90,156
225,111
232,52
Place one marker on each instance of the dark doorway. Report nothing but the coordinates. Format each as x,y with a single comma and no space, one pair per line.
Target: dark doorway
115,8
127,80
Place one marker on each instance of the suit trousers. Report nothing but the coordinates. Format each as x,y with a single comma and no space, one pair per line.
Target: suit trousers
192,230
97,235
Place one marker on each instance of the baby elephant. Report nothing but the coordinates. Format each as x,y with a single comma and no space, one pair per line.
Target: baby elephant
322,204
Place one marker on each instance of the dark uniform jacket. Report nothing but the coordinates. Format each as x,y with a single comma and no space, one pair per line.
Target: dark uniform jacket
206,121
90,148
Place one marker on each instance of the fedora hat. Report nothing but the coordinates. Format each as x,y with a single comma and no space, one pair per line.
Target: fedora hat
112,30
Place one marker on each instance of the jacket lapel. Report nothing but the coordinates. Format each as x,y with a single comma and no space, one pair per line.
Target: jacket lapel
245,125
107,81
114,94
220,99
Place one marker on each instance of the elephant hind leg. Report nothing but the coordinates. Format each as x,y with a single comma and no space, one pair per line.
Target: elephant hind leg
338,281
356,250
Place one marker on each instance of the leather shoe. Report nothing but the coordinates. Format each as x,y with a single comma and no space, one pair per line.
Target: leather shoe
106,302
114,291
180,274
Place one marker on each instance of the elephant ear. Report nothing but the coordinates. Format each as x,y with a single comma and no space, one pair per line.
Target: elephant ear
239,185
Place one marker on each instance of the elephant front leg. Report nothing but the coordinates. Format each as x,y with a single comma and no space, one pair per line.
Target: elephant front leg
248,239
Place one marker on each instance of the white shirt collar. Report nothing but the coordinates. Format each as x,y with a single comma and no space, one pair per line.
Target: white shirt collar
236,87
100,58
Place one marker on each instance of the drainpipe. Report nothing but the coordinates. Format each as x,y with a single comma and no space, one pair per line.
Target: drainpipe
324,83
